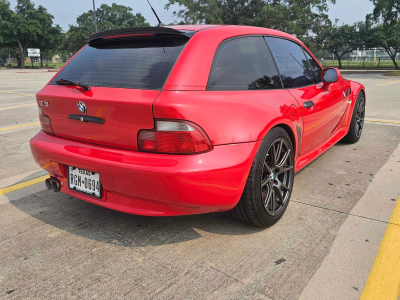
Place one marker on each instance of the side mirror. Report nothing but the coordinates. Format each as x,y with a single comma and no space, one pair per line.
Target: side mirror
331,75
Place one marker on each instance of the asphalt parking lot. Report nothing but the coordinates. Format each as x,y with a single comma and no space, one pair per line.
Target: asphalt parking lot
54,246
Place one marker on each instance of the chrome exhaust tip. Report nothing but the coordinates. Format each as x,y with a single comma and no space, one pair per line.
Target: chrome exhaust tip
47,182
55,185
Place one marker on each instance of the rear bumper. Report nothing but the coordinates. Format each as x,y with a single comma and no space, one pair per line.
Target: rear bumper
152,184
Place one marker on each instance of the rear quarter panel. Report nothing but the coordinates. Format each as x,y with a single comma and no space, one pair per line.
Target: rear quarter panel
230,117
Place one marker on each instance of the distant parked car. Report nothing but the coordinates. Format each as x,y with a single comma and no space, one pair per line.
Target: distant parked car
192,119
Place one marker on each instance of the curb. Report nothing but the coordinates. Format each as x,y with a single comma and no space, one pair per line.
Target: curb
364,71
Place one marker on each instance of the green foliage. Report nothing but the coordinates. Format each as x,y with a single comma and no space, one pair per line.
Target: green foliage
30,26
386,10
51,36
338,40
4,54
64,55
108,17
27,26
298,17
5,21
388,37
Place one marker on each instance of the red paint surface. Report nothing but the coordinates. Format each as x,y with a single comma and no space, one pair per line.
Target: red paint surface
205,182
235,122
125,112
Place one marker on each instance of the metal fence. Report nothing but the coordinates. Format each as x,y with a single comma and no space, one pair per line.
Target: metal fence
354,62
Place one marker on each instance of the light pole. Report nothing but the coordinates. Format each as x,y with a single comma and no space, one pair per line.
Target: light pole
95,19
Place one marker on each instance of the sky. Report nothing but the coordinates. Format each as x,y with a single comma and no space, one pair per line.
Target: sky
66,11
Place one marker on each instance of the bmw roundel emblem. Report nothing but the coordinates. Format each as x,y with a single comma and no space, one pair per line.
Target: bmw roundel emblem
81,107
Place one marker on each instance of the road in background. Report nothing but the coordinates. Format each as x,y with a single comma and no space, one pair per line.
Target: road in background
58,247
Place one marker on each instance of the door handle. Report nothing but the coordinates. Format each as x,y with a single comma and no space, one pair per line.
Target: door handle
308,104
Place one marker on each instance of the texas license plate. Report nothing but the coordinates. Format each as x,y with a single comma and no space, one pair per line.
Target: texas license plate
84,181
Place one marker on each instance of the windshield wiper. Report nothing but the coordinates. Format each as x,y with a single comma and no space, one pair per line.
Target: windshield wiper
83,85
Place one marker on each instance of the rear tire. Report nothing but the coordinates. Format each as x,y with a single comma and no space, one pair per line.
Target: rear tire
270,182
357,121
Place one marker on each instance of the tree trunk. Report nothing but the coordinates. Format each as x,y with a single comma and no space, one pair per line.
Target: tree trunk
340,63
41,61
392,57
4,60
339,58
22,55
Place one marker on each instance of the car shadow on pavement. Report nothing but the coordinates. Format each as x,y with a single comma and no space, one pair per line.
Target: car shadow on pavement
105,225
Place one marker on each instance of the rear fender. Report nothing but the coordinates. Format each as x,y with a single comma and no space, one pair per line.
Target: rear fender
290,127
231,117
356,88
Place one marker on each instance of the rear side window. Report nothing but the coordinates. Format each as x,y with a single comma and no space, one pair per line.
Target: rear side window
314,66
122,66
293,67
243,64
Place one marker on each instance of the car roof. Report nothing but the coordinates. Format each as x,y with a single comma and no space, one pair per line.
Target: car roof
192,69
235,30
208,29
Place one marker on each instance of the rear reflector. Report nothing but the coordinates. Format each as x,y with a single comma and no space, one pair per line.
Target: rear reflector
128,35
174,137
45,122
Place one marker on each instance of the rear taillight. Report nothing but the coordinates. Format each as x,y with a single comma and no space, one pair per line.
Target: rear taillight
45,122
174,137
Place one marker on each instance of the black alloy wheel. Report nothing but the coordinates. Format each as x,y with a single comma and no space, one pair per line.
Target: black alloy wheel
360,116
357,121
276,181
270,181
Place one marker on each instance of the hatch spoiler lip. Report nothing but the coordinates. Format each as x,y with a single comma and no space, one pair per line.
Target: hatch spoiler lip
140,31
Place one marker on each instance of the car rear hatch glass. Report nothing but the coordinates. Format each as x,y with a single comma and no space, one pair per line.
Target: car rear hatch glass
126,71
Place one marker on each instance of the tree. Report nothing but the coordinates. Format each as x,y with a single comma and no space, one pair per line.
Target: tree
296,17
5,22
339,40
108,17
387,33
27,26
64,55
52,44
388,37
4,54
51,37
387,10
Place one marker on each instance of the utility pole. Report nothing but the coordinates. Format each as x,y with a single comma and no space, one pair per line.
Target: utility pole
95,19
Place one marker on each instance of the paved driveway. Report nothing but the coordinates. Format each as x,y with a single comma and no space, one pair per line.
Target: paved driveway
54,246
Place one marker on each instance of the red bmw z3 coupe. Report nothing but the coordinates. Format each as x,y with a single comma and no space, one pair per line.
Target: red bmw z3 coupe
192,119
